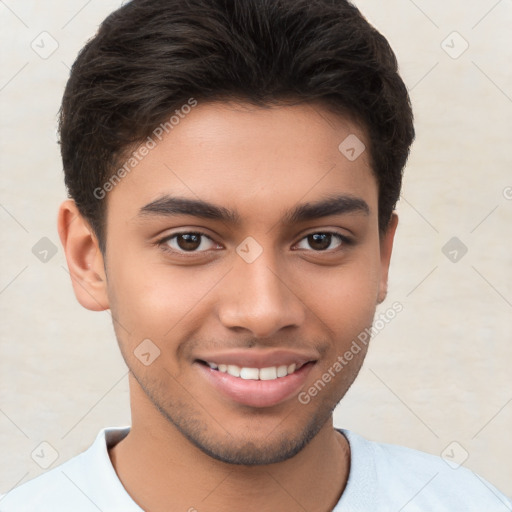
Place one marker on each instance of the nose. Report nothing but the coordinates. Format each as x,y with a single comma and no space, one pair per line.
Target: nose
260,297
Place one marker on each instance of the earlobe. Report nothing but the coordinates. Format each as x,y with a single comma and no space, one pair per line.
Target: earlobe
386,248
84,258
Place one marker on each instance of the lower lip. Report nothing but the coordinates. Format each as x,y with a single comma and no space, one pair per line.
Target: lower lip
256,393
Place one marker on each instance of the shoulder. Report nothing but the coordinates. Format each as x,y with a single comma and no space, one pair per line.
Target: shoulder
81,483
415,480
55,488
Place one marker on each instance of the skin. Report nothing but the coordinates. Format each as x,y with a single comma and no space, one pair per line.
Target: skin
190,447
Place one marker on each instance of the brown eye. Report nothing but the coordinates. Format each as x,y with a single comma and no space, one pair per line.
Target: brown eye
188,242
322,241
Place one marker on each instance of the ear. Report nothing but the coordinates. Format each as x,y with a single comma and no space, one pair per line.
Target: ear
386,247
85,261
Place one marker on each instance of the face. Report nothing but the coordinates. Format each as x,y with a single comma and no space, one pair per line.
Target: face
243,257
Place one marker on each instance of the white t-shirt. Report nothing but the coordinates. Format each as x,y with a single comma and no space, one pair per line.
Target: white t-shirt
382,478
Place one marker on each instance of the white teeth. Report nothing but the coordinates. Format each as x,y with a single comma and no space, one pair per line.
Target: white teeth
269,373
282,371
250,373
234,370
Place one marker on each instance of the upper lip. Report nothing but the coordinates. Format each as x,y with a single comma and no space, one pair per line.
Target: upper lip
249,358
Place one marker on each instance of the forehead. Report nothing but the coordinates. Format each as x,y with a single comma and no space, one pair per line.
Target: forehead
253,160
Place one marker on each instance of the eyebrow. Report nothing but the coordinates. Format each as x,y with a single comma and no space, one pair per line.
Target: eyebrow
167,206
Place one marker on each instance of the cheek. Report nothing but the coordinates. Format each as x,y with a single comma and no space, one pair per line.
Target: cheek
344,297
152,299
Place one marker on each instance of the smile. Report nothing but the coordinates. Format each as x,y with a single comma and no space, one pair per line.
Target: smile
253,386
269,373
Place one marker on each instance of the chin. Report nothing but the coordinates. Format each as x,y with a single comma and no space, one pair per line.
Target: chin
250,446
270,450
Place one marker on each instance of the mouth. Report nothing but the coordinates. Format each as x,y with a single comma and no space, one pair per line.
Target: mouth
246,373
255,380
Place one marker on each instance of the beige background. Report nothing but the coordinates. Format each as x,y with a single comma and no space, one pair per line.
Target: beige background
438,373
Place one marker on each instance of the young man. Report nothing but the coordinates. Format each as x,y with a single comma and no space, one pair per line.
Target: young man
233,167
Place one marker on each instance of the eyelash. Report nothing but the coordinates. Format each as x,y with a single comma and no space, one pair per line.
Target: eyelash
162,243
